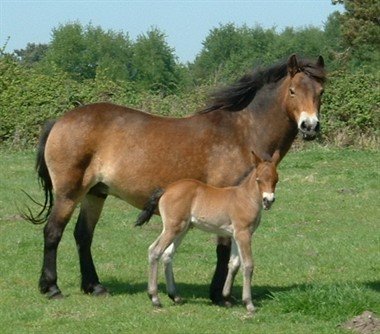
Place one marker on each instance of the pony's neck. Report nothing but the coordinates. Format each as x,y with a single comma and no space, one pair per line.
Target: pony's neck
272,128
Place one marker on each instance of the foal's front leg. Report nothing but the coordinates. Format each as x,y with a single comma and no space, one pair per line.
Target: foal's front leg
243,240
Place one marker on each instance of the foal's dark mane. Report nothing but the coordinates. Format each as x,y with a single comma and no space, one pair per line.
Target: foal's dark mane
240,94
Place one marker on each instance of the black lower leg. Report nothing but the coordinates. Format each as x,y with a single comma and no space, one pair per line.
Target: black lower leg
221,270
48,279
90,280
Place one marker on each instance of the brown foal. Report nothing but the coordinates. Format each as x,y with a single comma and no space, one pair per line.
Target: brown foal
231,211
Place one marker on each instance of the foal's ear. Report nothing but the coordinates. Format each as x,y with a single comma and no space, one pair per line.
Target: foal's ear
320,62
276,157
293,66
256,159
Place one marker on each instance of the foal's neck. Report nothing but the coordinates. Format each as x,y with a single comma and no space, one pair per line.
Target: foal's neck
249,186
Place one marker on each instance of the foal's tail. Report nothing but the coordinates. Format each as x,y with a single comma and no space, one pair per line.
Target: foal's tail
149,208
44,179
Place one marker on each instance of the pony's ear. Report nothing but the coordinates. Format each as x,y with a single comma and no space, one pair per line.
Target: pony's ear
293,66
320,62
276,157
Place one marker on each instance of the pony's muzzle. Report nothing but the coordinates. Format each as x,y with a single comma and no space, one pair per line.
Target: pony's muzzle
309,126
268,200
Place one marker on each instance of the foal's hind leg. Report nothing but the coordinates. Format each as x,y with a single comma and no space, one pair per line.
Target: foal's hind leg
167,259
233,267
58,219
91,208
155,252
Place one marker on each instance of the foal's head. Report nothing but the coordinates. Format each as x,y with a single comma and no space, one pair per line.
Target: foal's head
267,178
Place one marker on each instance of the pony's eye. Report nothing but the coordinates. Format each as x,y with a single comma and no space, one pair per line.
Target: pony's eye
292,91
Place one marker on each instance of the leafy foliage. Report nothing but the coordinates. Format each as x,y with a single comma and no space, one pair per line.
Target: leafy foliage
361,30
153,65
84,64
81,51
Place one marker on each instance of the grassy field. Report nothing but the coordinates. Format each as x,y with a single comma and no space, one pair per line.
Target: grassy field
316,255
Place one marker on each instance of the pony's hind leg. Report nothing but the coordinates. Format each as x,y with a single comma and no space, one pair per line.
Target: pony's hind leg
91,208
58,219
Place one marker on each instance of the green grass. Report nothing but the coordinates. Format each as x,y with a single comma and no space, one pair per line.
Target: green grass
316,256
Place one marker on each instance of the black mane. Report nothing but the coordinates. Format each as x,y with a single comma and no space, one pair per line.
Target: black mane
240,94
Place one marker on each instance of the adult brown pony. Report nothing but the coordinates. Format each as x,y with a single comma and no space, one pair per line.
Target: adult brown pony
104,149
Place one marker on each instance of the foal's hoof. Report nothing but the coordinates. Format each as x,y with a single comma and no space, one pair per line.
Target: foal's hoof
156,304
227,304
177,300
250,309
155,301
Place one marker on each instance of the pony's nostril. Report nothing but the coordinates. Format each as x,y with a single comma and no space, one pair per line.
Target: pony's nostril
303,126
317,127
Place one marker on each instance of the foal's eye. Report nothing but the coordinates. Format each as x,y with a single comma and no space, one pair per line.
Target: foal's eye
292,91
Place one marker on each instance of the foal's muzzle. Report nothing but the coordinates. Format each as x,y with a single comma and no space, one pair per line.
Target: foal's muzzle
309,126
268,200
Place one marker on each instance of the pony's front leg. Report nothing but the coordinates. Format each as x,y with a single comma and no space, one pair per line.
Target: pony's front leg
243,240
58,219
223,250
233,267
91,208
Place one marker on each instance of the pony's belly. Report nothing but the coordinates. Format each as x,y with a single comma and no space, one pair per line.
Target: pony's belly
219,227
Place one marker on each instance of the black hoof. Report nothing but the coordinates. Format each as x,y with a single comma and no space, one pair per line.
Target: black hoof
54,294
100,291
97,290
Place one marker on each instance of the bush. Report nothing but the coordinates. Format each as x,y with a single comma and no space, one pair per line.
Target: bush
28,97
351,107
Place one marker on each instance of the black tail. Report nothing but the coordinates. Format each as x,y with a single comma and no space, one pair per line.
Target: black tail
44,179
149,208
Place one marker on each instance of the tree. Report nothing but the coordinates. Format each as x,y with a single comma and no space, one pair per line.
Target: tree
81,51
217,50
361,29
32,54
154,65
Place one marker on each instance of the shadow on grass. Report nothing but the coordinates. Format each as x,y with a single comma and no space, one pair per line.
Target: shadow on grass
191,292
199,293
373,285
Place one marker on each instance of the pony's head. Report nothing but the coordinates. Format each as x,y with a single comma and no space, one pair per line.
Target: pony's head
267,177
303,94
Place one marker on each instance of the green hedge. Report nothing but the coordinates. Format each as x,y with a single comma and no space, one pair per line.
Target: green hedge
352,106
28,98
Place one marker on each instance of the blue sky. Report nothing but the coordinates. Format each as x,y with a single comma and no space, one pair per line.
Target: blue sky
185,23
